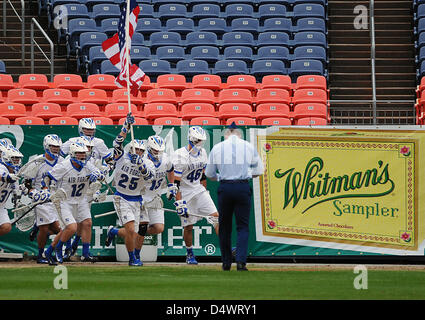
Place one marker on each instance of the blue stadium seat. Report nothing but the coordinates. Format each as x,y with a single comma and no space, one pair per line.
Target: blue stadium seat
75,28
305,67
421,41
93,62
311,24
165,38
70,12
216,25
147,26
154,67
250,25
2,67
209,54
277,24
261,68
273,39
168,11
238,53
109,26
225,68
191,3
421,55
421,71
200,38
207,10
146,11
321,2
286,3
238,39
91,3
89,39
105,11
420,12
180,25
266,11
158,3
307,10
228,2
190,68
137,39
170,53
106,67
310,38
274,53
239,10
310,53
139,2
139,53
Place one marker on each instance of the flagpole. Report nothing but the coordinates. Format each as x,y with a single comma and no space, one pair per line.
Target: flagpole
127,42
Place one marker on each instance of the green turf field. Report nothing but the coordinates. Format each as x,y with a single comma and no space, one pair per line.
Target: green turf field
208,282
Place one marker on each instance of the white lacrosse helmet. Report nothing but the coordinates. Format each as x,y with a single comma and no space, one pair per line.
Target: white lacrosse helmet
196,136
138,145
78,152
4,144
49,141
155,147
88,143
12,157
86,124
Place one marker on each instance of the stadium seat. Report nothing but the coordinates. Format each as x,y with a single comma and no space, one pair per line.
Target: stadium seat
303,110
309,96
247,24
235,95
272,110
276,81
207,10
276,121
205,121
102,121
225,68
12,110
138,121
274,53
311,24
216,25
155,67
109,26
229,110
75,28
106,67
311,82
238,10
200,38
58,95
120,95
24,96
273,38
308,10
306,67
104,11
190,68
33,81
238,53
238,38
198,95
139,53
241,121
6,82
101,81
207,81
310,53
146,85
194,110
138,39
80,110
311,121
2,67
321,2
310,38
146,11
97,96
159,95
209,54
277,25
183,26
93,62
172,10
88,40
116,111
271,10
63,121
241,82
273,96
147,26
29,120
167,121
165,38
157,110
70,11
172,81
171,54
46,110
91,3
68,81
261,68
4,121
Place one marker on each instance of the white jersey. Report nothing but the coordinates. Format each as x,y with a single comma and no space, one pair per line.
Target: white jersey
155,185
74,181
128,179
6,188
189,168
100,150
41,170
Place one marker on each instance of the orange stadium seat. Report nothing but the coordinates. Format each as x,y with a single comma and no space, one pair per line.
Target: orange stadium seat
303,110
12,110
309,96
277,81
102,121
29,120
46,110
22,95
121,96
156,110
171,81
97,96
168,121
116,111
59,96
205,121
235,95
241,81
138,121
230,110
207,81
267,110
198,95
311,82
6,82
161,95
311,121
4,121
272,95
33,81
241,121
68,81
101,81
194,110
63,121
146,85
80,110
276,121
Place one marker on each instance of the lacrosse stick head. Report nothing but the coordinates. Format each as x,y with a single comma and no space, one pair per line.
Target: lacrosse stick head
212,220
58,196
25,223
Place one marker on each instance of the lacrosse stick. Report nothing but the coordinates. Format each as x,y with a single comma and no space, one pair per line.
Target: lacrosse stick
113,212
210,219
29,170
26,223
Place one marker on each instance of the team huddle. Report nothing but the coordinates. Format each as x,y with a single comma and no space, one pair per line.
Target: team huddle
63,182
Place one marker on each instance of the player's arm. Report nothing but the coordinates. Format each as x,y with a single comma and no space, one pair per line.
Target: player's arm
204,179
119,140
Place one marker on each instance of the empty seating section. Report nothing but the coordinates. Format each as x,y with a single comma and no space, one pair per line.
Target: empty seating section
419,31
290,36
171,100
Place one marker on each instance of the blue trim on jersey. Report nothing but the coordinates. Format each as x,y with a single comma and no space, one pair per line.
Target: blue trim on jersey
107,156
179,172
78,169
190,151
51,177
128,197
51,164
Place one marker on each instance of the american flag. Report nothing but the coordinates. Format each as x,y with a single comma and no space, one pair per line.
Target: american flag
115,50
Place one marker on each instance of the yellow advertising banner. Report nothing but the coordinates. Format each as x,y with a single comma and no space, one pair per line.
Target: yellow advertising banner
354,188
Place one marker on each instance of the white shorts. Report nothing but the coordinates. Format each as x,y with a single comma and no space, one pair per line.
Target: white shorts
45,214
200,204
127,211
4,216
153,212
74,212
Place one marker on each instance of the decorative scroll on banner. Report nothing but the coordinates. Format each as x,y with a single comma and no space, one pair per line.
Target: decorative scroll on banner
355,190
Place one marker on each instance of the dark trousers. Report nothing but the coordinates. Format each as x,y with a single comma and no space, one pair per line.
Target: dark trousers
234,197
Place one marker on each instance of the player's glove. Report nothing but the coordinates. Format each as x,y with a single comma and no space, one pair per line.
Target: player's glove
172,191
129,120
11,178
99,196
181,208
42,195
96,175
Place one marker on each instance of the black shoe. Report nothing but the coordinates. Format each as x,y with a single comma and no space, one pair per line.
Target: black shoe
88,258
226,267
241,266
33,233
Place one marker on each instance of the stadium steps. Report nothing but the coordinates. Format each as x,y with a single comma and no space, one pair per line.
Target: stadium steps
350,64
10,46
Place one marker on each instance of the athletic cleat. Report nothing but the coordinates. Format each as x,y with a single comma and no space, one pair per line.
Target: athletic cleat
74,250
135,263
190,259
42,260
88,258
109,237
67,255
51,260
33,233
58,255
234,253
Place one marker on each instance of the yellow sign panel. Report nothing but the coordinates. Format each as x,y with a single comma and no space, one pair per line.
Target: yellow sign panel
351,187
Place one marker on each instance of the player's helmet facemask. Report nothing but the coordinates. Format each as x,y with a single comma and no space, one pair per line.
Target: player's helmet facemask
52,144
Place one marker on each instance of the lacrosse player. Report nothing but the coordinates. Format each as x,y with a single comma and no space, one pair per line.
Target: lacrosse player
152,218
74,175
130,172
11,161
189,166
46,217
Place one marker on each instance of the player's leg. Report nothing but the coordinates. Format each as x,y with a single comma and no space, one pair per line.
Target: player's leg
43,234
70,227
45,216
5,225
